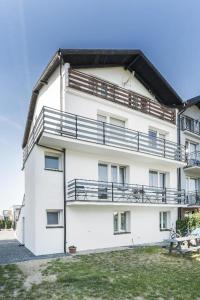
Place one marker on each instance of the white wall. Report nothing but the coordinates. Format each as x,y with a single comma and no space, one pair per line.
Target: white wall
80,165
43,190
89,106
91,227
49,95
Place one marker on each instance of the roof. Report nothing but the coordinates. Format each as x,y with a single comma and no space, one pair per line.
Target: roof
133,60
193,101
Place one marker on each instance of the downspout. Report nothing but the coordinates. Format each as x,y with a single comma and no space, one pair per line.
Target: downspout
64,168
64,194
179,143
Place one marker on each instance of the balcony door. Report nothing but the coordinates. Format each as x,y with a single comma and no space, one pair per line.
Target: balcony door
158,180
103,178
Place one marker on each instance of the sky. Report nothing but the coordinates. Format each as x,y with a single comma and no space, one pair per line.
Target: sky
167,31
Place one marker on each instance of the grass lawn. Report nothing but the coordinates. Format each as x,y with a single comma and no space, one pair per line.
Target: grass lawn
140,273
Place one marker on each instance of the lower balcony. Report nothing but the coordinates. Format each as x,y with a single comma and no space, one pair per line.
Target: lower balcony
193,198
89,191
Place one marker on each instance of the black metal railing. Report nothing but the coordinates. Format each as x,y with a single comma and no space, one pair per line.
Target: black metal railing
193,198
190,124
193,159
100,191
77,127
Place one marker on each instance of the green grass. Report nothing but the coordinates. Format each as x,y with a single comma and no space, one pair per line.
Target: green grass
147,272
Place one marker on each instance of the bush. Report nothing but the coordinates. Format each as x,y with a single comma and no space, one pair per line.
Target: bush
8,224
189,223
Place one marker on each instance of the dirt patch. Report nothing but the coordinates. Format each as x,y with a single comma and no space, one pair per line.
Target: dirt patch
33,271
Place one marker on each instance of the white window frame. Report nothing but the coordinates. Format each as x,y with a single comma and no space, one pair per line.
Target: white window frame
60,217
118,166
158,177
161,219
119,216
55,155
159,134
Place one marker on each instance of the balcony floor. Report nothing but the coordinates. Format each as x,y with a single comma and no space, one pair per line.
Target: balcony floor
192,171
100,203
57,141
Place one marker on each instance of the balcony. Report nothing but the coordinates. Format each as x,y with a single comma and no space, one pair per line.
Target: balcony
70,127
99,191
190,125
193,163
193,198
111,92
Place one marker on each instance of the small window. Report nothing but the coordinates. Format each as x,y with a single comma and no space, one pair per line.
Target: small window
53,218
52,162
165,220
121,222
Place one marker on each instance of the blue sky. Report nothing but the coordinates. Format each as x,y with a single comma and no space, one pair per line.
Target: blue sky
168,31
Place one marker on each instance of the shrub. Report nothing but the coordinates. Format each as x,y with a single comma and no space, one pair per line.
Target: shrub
189,223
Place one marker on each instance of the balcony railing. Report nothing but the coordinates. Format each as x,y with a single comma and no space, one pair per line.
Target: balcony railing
111,92
100,191
193,198
193,159
77,127
190,124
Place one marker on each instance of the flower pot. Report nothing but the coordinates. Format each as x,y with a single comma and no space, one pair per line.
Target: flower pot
72,249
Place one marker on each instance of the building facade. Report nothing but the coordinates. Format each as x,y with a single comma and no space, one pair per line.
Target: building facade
190,137
101,154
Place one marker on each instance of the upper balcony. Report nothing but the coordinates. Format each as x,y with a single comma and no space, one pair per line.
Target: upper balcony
114,93
62,129
190,125
193,163
81,191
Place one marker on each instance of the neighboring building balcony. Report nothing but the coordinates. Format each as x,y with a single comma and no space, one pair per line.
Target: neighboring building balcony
193,198
103,89
84,191
61,129
190,125
193,163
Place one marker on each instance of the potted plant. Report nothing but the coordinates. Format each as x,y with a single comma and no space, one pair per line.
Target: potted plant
72,249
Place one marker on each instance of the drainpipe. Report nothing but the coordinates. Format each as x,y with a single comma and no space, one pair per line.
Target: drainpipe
179,143
64,169
64,200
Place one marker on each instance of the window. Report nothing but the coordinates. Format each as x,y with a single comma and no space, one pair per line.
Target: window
122,175
53,217
112,173
157,179
152,137
52,162
121,222
117,122
165,222
189,123
192,184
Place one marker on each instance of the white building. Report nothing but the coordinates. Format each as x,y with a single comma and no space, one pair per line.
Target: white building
100,154
190,136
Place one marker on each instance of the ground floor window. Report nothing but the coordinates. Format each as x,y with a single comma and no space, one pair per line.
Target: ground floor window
165,220
54,217
121,221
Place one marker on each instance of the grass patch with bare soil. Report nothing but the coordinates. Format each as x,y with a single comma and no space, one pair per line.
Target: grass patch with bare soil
139,273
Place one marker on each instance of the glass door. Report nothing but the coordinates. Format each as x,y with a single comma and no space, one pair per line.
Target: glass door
103,178
101,138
